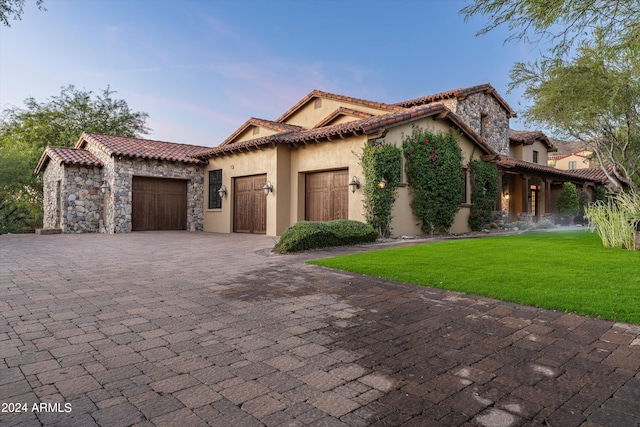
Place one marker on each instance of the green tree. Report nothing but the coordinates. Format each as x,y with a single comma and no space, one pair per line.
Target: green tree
12,9
25,133
587,85
593,98
569,201
561,22
436,177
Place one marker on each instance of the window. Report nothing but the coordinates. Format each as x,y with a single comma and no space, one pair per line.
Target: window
215,182
573,166
317,103
535,156
464,186
484,125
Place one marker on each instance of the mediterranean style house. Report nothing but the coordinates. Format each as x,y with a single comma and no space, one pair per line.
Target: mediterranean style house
305,165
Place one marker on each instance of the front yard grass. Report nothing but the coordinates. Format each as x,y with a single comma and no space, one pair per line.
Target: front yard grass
566,271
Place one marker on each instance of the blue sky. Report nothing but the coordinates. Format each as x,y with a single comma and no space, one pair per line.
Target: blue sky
202,68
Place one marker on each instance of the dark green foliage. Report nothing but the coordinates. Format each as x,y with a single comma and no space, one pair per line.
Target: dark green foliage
306,235
380,161
25,133
436,177
13,9
569,201
484,191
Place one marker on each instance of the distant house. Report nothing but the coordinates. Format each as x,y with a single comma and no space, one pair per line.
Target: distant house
268,175
582,159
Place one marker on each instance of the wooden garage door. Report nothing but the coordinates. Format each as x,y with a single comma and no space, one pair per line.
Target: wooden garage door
327,195
158,204
250,205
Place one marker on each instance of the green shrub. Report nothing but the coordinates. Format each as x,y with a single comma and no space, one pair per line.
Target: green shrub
306,235
569,201
545,224
522,225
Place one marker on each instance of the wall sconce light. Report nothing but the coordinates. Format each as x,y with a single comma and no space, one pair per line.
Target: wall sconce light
506,194
222,191
104,188
354,184
382,183
268,188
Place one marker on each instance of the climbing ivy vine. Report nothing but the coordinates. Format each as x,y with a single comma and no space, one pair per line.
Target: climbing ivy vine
435,176
484,191
380,161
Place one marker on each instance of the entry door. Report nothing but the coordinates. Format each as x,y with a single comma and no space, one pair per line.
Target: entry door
327,195
158,204
250,205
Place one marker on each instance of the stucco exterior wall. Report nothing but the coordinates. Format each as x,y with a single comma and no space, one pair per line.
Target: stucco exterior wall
541,148
254,132
237,165
310,115
581,162
404,222
285,167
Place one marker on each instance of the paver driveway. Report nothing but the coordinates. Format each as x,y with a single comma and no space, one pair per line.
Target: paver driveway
190,329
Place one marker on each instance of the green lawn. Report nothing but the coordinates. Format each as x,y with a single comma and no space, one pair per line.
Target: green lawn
567,271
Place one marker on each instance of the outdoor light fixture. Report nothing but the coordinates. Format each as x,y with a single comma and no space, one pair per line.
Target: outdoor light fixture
104,187
222,191
506,194
382,183
268,188
354,184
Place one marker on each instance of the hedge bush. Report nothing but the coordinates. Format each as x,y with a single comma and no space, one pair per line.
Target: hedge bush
306,235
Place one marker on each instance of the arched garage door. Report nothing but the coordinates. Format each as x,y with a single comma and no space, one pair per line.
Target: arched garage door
158,204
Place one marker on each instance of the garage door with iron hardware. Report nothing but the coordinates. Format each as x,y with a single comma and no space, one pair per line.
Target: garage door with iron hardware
250,205
158,204
327,195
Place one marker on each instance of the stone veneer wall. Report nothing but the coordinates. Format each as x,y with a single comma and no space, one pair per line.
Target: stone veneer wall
118,173
53,174
470,111
77,206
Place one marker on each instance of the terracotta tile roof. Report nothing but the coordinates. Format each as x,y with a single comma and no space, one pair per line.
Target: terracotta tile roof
343,111
594,174
521,165
370,125
460,93
278,127
528,137
320,94
559,156
142,148
67,156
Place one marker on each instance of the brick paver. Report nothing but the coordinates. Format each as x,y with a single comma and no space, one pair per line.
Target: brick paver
196,329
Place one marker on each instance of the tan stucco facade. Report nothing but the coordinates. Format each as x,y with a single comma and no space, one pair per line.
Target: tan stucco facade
580,158
286,165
